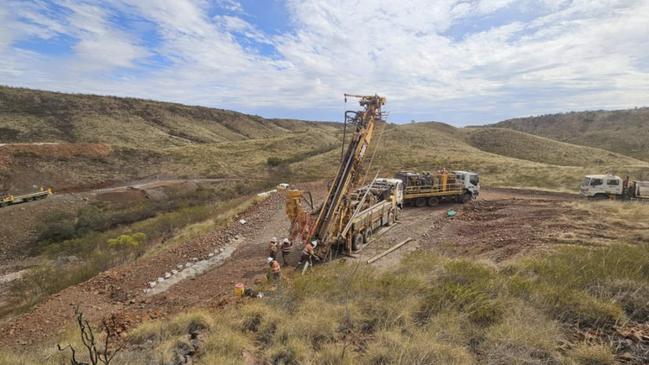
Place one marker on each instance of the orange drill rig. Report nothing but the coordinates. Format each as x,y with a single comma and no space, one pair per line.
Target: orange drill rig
328,227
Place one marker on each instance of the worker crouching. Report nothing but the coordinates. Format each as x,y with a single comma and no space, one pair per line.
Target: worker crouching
274,270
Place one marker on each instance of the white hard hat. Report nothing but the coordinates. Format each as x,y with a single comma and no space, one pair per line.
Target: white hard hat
269,260
286,240
314,243
274,239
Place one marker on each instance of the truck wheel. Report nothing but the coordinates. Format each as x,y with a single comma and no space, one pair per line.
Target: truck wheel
420,202
367,235
432,201
466,197
600,197
357,242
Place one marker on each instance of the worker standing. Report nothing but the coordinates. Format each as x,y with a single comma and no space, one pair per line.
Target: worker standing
308,252
286,249
275,269
273,248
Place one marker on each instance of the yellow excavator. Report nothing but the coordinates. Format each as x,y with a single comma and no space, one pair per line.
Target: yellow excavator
327,224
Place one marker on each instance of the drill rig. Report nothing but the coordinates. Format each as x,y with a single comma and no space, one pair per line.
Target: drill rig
328,228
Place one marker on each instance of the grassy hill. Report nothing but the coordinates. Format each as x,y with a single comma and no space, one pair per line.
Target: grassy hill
99,140
511,143
42,116
145,139
504,158
622,131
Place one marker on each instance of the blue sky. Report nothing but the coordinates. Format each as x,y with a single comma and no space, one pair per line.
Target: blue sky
457,61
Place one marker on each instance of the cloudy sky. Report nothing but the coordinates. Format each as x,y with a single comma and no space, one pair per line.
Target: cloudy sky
459,61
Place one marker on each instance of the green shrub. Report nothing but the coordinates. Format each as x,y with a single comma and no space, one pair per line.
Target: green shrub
125,242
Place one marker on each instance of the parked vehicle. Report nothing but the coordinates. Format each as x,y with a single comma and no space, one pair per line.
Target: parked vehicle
374,206
613,187
7,199
430,189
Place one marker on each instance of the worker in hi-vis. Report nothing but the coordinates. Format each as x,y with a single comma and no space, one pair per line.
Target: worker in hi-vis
273,248
275,270
286,249
308,252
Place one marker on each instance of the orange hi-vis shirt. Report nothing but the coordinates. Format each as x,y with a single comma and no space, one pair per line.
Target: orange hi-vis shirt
272,246
275,266
308,249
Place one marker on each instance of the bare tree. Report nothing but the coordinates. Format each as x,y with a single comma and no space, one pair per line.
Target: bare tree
97,355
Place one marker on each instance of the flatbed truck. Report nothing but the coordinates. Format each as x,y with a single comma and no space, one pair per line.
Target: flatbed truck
425,188
8,199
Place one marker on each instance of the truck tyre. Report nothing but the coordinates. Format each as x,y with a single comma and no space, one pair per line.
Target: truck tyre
600,197
432,201
467,197
367,235
357,242
420,202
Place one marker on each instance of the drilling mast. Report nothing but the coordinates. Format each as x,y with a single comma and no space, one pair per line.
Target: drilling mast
336,211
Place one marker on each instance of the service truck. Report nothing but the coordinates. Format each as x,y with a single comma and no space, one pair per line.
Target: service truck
430,189
613,187
375,205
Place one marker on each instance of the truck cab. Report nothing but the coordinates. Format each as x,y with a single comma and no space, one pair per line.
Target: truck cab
601,186
396,189
470,181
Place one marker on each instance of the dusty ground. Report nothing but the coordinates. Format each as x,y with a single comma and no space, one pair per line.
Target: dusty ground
501,225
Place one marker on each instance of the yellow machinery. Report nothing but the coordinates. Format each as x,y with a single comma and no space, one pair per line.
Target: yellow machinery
6,200
336,211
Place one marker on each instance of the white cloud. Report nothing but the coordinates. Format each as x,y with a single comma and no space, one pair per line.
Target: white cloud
425,56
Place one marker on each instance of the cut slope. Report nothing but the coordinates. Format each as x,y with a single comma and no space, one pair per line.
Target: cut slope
622,131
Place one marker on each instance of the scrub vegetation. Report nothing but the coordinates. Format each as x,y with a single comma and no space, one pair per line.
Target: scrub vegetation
429,309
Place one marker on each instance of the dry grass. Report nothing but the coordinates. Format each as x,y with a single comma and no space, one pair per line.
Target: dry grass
428,309
606,222
585,354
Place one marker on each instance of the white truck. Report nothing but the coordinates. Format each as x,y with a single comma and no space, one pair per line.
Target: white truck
378,207
613,187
